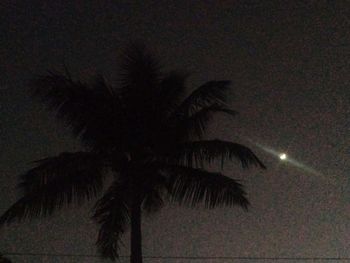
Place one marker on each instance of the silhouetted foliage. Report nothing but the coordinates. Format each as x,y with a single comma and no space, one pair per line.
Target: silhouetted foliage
148,133
4,259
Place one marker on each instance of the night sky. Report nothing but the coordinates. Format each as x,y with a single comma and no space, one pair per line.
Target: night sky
289,66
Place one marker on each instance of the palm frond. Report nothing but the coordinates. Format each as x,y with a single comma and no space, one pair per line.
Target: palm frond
172,90
79,175
153,185
112,215
105,124
93,112
194,186
30,206
195,125
197,152
57,181
140,73
153,201
212,92
55,89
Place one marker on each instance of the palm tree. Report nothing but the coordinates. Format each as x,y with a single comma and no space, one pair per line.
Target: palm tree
148,134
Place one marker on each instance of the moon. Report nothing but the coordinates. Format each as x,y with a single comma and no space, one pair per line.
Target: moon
283,156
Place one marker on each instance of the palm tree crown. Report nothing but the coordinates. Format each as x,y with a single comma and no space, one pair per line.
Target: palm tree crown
148,134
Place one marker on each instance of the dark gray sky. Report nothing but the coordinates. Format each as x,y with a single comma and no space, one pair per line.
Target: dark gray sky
289,63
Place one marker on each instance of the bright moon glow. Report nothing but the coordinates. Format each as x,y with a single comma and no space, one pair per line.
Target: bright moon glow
283,156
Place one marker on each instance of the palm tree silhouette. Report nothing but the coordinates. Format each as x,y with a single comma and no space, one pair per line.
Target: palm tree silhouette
148,134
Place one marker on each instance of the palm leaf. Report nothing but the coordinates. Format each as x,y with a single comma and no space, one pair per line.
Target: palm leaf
106,126
140,74
194,186
112,215
80,174
57,181
212,92
30,206
195,125
153,201
153,186
92,112
172,89
197,152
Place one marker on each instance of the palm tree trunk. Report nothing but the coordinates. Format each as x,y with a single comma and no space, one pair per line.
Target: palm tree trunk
136,237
